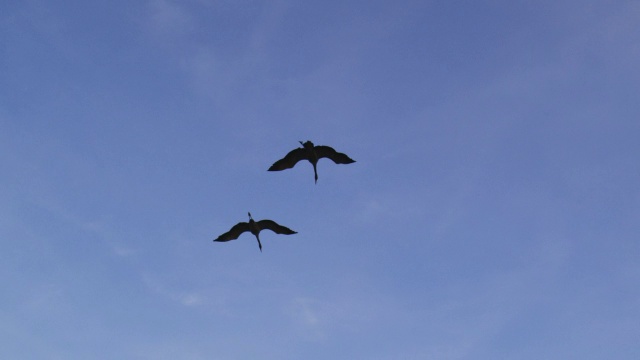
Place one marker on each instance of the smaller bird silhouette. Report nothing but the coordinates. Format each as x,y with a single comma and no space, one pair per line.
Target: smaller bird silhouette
254,227
312,153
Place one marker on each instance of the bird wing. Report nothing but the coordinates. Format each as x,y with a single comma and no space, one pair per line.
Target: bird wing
234,233
275,227
330,153
289,160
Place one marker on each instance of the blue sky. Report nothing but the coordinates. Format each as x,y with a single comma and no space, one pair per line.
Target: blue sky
493,211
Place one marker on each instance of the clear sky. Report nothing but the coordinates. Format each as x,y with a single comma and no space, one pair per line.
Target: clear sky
493,211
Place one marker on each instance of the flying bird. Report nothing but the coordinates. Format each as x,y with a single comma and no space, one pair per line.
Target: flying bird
312,153
254,227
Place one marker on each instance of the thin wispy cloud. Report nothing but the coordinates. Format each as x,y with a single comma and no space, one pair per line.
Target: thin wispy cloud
185,298
46,297
347,312
123,251
307,313
191,299
169,18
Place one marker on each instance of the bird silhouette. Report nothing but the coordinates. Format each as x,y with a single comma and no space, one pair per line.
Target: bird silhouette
313,153
254,227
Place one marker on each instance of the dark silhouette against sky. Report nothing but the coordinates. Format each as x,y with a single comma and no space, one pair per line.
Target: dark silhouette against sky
254,227
312,153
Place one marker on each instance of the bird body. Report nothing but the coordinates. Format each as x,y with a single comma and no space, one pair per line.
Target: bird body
312,153
254,227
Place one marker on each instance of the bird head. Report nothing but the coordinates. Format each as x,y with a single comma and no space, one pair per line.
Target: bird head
249,215
306,144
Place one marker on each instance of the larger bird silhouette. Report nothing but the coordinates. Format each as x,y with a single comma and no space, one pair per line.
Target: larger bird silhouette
254,227
312,153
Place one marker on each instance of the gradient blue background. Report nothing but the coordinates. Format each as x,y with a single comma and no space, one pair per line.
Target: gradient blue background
493,211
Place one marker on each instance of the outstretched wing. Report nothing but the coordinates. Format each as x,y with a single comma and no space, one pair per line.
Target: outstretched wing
234,233
275,227
289,160
328,152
